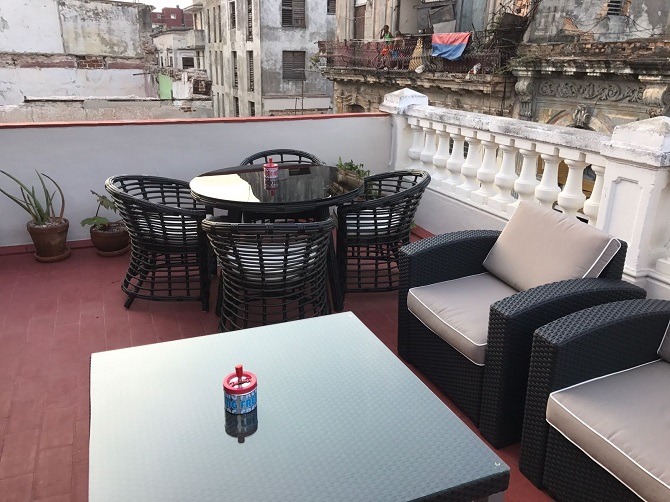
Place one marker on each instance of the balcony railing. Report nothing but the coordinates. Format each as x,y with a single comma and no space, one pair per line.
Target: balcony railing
481,166
411,53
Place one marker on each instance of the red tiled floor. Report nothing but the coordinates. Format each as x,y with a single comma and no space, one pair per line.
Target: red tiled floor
55,316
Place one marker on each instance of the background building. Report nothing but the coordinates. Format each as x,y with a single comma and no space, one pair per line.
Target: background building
80,60
171,17
260,53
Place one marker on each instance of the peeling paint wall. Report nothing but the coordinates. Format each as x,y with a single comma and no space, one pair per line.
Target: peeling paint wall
89,48
570,20
275,39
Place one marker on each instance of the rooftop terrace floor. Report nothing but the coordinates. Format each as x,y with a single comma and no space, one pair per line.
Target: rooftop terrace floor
53,316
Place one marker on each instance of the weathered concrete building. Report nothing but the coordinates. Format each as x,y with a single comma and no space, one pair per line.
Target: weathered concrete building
595,64
259,56
362,74
79,60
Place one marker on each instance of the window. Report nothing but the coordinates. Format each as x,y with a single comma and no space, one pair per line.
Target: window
615,7
233,56
162,62
250,64
293,13
173,16
330,8
233,19
250,22
252,109
171,62
293,65
187,63
220,67
236,106
209,31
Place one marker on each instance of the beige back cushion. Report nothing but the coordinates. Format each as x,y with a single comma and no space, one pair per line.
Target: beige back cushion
664,349
539,245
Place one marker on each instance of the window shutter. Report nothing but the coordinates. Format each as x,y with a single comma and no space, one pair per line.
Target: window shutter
251,70
299,13
614,7
287,13
293,65
330,9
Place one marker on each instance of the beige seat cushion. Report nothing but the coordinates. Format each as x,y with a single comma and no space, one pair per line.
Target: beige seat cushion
622,421
539,246
458,311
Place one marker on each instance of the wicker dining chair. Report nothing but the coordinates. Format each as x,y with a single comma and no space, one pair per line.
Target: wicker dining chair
270,272
371,231
282,156
169,253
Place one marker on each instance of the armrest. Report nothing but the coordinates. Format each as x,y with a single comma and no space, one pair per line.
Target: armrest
585,345
436,259
512,322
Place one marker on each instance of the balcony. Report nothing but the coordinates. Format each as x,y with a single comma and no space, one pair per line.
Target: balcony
54,316
195,39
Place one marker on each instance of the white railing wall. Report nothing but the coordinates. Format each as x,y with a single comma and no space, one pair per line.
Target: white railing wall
481,189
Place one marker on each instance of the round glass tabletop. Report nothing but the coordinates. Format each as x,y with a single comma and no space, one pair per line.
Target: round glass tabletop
296,186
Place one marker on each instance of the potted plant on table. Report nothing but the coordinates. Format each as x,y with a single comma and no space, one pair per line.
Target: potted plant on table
110,238
47,231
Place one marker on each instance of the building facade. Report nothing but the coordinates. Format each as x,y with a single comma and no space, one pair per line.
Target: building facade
260,56
171,17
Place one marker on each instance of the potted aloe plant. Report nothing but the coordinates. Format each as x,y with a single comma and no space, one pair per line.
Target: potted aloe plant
110,238
47,231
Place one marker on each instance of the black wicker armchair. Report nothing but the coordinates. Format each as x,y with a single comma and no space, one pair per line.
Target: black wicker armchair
586,345
168,258
487,379
270,272
371,231
282,156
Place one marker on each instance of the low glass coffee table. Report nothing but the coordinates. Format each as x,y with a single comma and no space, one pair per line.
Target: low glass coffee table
339,417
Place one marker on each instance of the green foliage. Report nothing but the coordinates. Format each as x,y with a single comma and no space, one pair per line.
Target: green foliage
352,167
100,221
40,210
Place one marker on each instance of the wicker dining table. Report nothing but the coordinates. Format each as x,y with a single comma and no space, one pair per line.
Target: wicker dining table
300,191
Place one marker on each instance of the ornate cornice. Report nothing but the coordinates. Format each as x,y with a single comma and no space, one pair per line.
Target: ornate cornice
592,91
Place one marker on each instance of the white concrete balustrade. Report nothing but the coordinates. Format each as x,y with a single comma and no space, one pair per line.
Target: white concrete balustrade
510,160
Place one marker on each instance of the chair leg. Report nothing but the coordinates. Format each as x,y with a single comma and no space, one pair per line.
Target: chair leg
129,301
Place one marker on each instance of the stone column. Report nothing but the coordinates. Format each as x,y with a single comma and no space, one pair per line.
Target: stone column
635,201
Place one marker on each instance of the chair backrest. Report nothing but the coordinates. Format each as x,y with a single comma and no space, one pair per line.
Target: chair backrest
158,211
282,156
391,201
283,262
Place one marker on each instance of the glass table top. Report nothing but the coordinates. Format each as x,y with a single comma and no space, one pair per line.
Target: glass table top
339,417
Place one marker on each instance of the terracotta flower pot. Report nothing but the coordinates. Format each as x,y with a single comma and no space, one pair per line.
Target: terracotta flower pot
50,240
112,240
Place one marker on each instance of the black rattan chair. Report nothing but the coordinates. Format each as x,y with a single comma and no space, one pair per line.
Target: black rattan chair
371,231
491,392
168,258
586,345
282,156
270,272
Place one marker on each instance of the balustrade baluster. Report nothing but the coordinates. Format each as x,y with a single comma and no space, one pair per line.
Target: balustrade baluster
487,171
506,176
429,147
417,144
592,204
471,164
456,159
571,199
442,153
527,180
547,191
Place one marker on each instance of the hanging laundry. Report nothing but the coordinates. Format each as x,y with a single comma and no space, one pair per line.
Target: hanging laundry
449,45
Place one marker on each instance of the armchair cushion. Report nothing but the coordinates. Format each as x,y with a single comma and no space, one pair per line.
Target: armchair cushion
664,349
458,311
539,246
622,422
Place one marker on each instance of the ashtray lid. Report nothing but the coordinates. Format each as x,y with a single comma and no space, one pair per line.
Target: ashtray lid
240,382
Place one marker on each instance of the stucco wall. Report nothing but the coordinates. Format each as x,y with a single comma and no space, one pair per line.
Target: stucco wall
30,26
275,39
562,20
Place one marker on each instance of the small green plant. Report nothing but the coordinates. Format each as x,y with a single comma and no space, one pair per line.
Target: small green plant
97,221
41,211
351,166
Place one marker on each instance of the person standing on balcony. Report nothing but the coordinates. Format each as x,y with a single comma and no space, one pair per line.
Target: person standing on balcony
396,51
385,50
